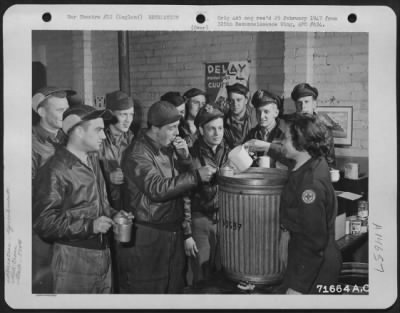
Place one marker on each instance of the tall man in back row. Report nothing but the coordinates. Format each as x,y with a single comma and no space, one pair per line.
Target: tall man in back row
49,104
159,173
241,117
305,99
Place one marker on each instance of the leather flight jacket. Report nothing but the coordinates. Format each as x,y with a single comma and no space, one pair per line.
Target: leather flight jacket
156,183
68,196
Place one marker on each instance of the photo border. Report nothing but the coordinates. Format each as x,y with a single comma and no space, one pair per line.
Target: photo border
10,184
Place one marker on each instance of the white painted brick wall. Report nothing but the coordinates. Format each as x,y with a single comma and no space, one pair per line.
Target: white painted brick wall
164,61
174,61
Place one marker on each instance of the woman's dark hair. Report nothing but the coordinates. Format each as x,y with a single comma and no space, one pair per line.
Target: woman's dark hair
308,133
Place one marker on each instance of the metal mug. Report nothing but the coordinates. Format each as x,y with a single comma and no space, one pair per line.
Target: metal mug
226,171
122,228
351,170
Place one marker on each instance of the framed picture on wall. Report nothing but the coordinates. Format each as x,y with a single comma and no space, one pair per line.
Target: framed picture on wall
340,120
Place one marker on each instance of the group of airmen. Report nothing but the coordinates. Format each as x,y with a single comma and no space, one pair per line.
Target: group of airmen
88,167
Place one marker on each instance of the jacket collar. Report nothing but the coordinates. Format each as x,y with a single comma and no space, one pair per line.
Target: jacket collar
207,149
155,146
71,159
115,140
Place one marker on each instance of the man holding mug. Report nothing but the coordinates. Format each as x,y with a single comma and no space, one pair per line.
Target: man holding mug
269,107
211,150
118,137
70,206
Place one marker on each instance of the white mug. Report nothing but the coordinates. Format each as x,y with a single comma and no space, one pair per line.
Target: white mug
264,161
240,159
335,176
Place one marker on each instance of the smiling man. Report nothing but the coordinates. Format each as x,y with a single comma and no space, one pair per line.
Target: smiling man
70,206
49,103
159,173
211,150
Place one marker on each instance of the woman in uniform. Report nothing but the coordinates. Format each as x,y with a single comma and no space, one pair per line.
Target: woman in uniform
308,210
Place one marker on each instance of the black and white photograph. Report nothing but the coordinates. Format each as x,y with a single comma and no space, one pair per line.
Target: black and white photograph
212,160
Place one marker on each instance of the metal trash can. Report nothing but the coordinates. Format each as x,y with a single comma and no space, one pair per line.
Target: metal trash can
249,225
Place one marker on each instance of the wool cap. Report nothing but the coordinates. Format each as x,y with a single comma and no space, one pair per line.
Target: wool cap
237,88
262,97
118,101
79,113
46,92
304,90
173,97
162,113
193,92
207,114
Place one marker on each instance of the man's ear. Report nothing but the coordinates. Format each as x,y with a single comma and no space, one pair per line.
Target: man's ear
41,111
276,111
314,104
201,130
79,131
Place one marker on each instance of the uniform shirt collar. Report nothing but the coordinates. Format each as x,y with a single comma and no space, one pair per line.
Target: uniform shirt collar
231,120
45,135
116,137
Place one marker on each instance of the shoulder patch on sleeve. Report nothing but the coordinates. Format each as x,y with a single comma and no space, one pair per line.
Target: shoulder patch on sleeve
308,196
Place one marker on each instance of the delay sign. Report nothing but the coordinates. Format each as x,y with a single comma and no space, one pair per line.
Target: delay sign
219,75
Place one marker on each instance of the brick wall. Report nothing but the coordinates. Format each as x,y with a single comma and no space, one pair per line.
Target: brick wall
337,64
105,62
174,61
86,61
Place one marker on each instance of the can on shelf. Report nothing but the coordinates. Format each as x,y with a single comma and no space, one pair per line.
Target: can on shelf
362,208
349,220
355,228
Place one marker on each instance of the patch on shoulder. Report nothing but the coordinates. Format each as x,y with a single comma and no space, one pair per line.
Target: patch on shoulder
308,196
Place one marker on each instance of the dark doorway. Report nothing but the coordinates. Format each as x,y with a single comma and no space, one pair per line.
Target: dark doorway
39,76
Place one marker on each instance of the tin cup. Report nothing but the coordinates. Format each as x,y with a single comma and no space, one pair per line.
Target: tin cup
122,228
226,171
